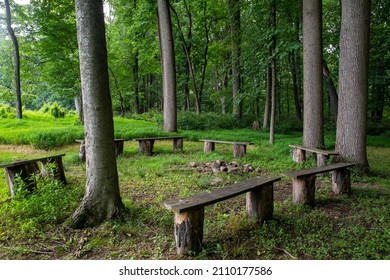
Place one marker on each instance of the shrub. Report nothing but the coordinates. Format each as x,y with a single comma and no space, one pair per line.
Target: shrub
6,111
212,121
54,109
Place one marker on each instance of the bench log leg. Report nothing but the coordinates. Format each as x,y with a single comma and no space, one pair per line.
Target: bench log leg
118,148
321,159
260,203
26,173
146,147
189,231
239,150
59,172
208,147
299,155
341,181
303,190
178,144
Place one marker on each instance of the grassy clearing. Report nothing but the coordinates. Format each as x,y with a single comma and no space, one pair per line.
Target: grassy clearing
338,227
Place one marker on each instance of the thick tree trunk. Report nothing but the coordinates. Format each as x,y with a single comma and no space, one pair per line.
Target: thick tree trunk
168,70
18,91
102,199
353,82
313,132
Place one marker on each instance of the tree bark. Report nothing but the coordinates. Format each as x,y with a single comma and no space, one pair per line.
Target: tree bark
18,91
136,86
313,132
294,76
267,104
331,90
168,70
102,199
353,82
273,76
235,26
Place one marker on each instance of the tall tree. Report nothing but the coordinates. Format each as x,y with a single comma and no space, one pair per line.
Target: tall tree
353,82
273,75
331,90
313,132
18,91
168,70
102,199
235,25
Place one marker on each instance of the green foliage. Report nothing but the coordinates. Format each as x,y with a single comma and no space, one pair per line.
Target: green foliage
53,109
28,214
211,121
6,111
42,131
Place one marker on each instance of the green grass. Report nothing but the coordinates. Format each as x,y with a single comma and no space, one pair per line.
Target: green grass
338,227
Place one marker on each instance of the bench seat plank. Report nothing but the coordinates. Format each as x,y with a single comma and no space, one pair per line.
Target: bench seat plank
315,150
118,143
189,212
38,166
317,170
22,162
217,195
227,142
158,138
303,181
239,147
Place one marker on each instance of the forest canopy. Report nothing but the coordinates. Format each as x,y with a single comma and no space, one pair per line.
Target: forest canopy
46,31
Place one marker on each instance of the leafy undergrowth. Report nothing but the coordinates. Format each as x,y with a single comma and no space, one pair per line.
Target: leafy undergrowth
338,227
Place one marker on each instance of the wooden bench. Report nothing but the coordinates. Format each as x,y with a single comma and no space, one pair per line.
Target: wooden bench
189,211
146,144
303,185
239,147
27,168
299,154
119,143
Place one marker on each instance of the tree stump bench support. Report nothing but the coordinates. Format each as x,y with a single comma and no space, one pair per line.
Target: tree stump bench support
26,169
299,154
119,143
303,181
189,211
239,147
146,144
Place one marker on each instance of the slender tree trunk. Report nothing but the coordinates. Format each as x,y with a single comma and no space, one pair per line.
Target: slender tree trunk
353,82
121,99
273,75
167,66
235,26
136,84
187,50
102,199
313,132
294,76
224,82
187,88
268,92
18,91
331,90
78,102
